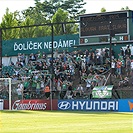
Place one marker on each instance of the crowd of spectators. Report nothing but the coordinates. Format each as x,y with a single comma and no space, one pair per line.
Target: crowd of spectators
69,74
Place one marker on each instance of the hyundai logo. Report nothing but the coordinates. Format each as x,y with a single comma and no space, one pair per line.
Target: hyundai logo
64,105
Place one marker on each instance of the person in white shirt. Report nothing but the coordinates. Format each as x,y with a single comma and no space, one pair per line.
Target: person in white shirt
88,83
113,67
20,91
132,65
132,70
79,90
83,62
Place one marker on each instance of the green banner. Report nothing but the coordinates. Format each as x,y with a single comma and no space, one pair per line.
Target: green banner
42,44
102,91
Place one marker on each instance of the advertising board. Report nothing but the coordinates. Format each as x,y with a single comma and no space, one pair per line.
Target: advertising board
88,105
35,104
119,105
125,105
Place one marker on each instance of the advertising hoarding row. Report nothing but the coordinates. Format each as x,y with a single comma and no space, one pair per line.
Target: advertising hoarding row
109,105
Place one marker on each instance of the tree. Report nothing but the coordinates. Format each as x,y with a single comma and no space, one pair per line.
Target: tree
27,32
36,14
67,28
74,7
126,8
103,9
9,20
42,31
45,10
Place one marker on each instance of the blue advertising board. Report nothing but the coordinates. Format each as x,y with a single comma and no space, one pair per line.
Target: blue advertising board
125,105
88,105
120,105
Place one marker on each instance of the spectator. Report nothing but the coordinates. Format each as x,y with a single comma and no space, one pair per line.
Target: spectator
79,90
20,91
124,82
98,54
132,64
26,85
38,87
47,91
106,53
113,68
128,51
118,67
128,66
59,87
88,83
113,53
122,53
69,92
69,95
32,57
64,89
102,54
132,71
33,86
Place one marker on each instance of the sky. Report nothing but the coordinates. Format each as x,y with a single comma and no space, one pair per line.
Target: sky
92,6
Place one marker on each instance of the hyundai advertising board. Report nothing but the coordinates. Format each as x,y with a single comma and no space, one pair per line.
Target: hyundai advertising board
88,105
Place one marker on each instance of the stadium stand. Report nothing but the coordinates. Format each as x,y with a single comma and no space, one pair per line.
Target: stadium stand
69,68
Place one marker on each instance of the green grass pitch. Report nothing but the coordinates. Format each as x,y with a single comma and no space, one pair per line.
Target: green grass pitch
65,122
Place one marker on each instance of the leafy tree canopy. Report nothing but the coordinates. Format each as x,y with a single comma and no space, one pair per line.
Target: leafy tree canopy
103,9
126,8
45,9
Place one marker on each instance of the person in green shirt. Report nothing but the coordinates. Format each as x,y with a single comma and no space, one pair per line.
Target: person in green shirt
26,85
33,86
64,90
38,87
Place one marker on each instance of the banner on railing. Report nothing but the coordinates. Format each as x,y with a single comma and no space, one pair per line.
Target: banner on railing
102,91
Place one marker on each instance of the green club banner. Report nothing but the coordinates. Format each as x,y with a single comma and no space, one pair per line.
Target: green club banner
41,44
102,91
